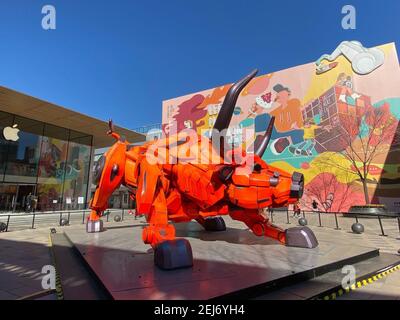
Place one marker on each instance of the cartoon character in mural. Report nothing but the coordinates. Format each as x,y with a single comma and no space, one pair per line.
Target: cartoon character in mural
288,127
254,112
288,113
183,113
363,60
187,190
196,112
306,147
347,95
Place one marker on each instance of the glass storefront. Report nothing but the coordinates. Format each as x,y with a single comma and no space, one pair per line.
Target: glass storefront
50,163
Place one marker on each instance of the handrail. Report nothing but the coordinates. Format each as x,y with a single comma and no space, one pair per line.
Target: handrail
350,215
29,220
35,218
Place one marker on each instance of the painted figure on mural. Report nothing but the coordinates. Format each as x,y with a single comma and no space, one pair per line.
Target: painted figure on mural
307,147
289,121
347,95
288,114
189,109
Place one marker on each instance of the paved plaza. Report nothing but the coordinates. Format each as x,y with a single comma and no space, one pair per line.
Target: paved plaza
25,252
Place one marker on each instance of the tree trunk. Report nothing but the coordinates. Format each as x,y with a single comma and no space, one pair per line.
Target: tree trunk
365,187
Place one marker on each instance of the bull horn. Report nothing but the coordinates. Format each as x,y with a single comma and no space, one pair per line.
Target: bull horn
266,138
228,106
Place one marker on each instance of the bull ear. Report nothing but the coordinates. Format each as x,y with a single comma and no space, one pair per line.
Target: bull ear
111,131
260,149
110,126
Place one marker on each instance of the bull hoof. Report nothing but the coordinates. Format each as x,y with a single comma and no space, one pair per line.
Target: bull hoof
94,226
173,254
214,224
301,237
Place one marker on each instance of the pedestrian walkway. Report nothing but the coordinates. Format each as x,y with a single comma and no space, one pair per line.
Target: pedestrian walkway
23,255
25,252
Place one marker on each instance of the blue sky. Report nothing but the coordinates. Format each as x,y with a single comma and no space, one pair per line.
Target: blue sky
120,59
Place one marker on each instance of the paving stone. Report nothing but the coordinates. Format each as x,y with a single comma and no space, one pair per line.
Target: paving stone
4,295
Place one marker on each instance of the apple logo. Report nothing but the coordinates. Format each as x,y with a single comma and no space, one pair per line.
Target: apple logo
11,133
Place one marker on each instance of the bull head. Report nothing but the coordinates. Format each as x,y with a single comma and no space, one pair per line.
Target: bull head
262,185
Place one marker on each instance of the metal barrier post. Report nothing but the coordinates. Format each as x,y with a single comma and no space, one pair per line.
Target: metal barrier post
272,216
287,216
319,219
123,211
398,222
336,221
8,222
33,221
69,216
304,214
380,223
108,214
83,217
356,219
60,218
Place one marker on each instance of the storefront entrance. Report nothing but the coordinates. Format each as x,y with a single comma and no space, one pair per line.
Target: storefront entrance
13,197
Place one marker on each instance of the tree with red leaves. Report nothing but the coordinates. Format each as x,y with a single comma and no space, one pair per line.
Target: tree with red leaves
365,138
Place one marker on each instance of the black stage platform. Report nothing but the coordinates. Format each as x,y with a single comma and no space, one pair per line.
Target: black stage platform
228,264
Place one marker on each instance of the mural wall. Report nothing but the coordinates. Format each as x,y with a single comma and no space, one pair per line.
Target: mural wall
337,122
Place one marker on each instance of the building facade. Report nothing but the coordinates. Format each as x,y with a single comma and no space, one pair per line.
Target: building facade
47,152
45,161
332,116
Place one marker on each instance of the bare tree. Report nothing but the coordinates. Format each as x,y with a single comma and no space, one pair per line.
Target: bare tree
363,138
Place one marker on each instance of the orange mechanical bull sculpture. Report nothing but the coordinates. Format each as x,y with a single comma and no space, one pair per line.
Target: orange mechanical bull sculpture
185,190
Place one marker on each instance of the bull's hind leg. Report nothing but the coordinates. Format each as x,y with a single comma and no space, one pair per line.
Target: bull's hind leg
169,252
293,237
212,223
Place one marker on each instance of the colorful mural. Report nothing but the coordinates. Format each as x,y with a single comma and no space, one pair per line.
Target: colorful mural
62,174
337,122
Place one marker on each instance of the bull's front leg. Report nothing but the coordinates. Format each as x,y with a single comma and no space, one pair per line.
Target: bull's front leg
94,223
261,226
169,252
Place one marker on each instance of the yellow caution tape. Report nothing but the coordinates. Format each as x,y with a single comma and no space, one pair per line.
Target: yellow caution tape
361,283
60,294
